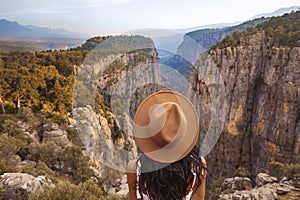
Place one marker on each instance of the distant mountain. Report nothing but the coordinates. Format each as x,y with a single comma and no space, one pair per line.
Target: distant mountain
165,39
170,40
278,12
13,30
207,26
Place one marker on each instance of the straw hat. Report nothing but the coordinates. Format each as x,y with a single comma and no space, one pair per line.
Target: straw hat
166,126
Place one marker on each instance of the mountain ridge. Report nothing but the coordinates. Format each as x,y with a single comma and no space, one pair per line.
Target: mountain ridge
279,12
14,30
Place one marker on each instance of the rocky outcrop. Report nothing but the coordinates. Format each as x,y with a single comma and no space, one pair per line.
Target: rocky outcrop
262,102
266,188
237,183
119,187
97,141
262,179
52,133
21,185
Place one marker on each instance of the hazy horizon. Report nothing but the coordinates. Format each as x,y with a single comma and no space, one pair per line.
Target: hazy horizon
94,17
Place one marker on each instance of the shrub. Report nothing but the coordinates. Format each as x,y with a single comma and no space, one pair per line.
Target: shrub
292,170
280,170
216,188
241,172
25,114
10,127
277,169
89,190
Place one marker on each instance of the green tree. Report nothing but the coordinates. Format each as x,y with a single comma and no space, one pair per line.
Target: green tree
49,153
77,164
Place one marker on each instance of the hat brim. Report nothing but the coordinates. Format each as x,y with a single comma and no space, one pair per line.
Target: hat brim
184,142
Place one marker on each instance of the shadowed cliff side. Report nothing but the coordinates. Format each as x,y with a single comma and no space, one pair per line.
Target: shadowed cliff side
262,94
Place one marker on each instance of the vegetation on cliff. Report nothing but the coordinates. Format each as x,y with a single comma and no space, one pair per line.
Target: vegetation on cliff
36,89
209,37
281,31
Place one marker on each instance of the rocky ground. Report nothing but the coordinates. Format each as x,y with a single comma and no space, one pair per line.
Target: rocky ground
266,188
21,185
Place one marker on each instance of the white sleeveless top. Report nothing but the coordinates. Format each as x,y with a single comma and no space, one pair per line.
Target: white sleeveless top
145,197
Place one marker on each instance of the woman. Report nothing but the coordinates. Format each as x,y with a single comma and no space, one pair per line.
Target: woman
166,128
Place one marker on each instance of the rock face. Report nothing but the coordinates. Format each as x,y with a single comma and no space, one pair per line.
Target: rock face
198,41
124,80
52,132
109,142
120,187
97,141
267,188
21,185
262,85
129,84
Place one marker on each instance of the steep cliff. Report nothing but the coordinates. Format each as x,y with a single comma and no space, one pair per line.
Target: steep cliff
198,41
262,84
128,80
122,71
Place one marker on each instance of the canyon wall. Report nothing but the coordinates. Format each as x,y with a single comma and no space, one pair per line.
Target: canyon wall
262,85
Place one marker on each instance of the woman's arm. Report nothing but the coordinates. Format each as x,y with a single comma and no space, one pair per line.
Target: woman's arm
200,192
131,179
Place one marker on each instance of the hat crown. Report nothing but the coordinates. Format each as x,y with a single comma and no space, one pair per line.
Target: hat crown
166,126
170,117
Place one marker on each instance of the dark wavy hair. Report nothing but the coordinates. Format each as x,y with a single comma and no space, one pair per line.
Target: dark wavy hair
170,182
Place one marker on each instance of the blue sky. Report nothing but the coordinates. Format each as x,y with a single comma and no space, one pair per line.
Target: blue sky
94,17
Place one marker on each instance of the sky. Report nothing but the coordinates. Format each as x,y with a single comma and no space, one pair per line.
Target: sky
104,17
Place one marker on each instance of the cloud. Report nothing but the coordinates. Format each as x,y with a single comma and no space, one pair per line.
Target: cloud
53,7
51,11
94,3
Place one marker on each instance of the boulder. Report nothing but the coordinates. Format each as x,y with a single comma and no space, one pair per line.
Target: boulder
52,133
267,192
21,185
237,183
120,187
262,179
241,196
282,190
267,188
237,195
254,194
